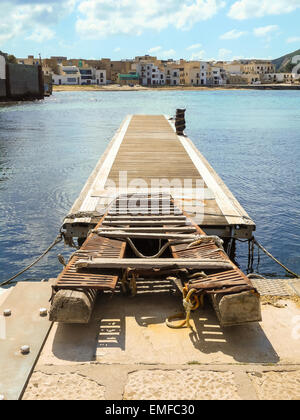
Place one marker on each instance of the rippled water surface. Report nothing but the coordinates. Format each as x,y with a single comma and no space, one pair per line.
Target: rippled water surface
49,148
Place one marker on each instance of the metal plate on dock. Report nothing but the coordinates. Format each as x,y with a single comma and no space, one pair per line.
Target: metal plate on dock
24,326
272,287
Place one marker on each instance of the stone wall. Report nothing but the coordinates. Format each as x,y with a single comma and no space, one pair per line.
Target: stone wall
24,81
2,89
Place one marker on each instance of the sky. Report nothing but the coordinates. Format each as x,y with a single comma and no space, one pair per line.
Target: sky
120,29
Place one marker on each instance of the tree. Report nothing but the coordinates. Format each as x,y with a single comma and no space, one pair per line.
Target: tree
11,59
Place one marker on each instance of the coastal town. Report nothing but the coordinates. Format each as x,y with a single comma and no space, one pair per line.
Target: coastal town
35,78
150,71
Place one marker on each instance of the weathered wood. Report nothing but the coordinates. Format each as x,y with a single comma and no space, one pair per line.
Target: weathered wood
170,229
143,217
144,210
73,306
145,223
237,308
144,235
112,263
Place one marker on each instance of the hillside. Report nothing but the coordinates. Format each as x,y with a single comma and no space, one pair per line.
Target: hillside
283,64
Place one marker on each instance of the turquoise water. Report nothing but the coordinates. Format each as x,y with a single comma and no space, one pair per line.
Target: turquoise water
49,148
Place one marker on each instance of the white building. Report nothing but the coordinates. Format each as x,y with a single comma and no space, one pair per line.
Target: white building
150,74
100,77
216,75
69,75
72,75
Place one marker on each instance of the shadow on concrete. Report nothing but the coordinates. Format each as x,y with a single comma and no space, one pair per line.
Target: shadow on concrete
76,343
245,343
120,320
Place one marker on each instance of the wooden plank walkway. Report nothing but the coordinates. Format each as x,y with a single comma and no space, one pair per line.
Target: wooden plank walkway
146,148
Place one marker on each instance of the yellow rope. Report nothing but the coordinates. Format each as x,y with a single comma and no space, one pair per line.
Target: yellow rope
190,303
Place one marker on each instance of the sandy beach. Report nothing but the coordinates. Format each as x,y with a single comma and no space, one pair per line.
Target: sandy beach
116,87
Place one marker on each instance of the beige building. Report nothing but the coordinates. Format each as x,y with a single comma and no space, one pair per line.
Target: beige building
258,67
279,78
30,60
193,73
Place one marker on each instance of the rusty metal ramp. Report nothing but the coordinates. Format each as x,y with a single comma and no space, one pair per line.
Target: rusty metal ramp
94,246
151,238
148,218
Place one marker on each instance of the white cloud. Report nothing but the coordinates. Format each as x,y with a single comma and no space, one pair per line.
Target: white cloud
233,34
246,9
266,31
194,47
164,54
117,49
167,53
224,54
293,39
41,34
197,55
31,19
154,50
101,18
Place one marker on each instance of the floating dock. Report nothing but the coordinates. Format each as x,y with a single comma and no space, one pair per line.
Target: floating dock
147,154
159,209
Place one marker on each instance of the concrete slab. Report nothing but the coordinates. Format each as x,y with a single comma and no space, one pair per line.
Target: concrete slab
187,384
277,385
133,331
63,386
116,382
127,352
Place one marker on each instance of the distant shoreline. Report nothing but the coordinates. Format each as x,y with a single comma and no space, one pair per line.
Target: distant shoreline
116,88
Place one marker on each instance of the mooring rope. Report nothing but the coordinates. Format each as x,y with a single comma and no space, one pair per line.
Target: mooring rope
57,240
253,241
274,259
188,307
192,243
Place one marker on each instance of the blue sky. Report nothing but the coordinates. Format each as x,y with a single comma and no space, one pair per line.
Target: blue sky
190,29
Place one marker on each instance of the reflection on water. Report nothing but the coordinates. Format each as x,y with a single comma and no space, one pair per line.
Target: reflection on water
48,149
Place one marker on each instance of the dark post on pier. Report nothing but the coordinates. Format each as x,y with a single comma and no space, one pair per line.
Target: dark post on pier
180,121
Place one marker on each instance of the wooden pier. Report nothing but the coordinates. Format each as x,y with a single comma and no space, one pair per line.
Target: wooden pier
152,189
147,148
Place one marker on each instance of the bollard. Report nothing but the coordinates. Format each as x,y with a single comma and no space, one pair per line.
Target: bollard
180,121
